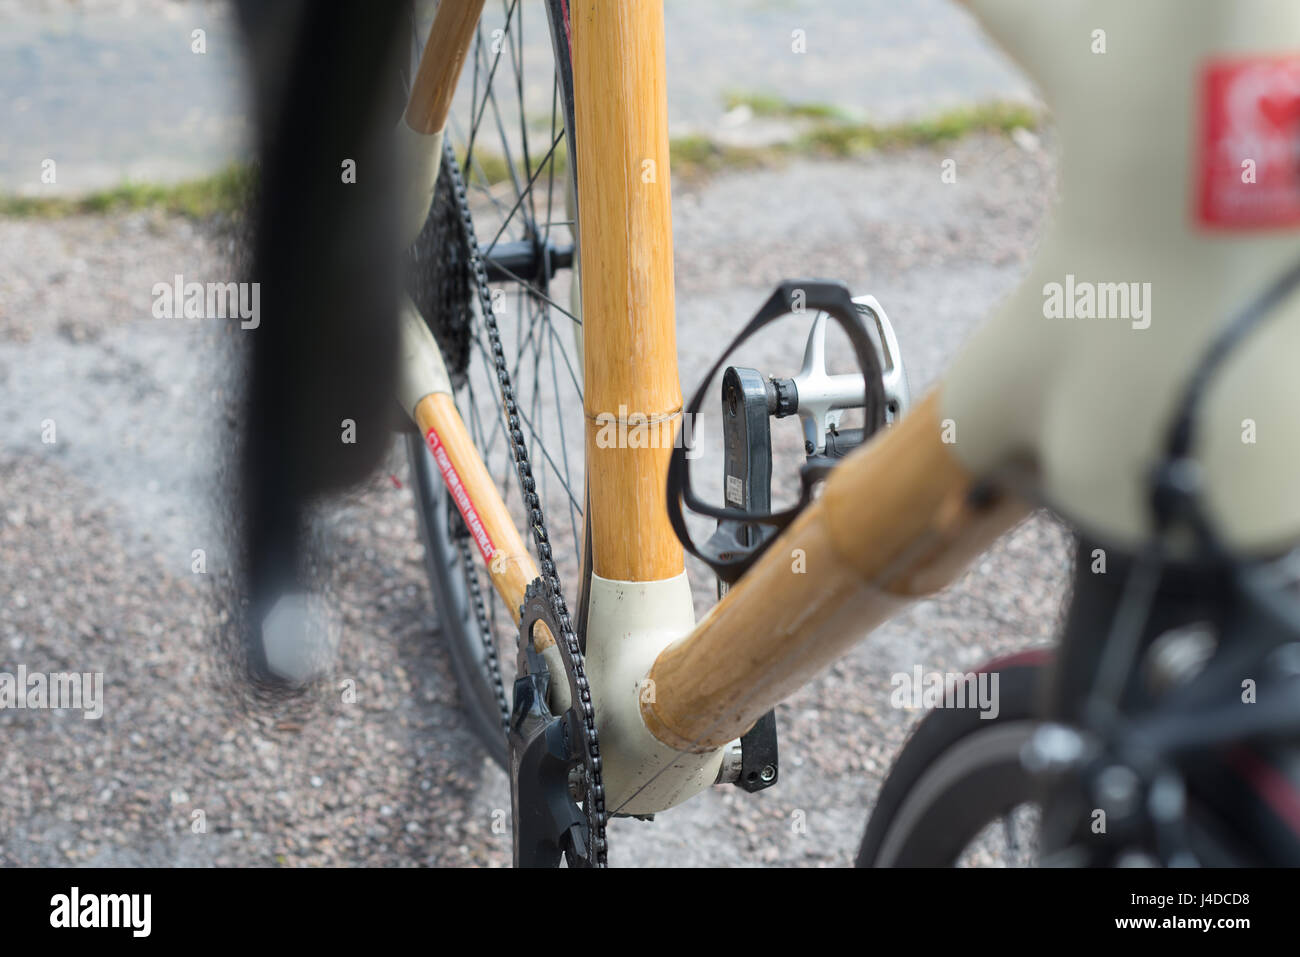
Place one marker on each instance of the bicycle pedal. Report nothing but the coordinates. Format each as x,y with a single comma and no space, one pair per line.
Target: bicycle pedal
820,399
746,526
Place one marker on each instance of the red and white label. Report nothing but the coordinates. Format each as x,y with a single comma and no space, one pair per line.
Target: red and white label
1250,143
461,497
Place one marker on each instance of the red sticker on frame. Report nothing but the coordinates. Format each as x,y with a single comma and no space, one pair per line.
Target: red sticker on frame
1249,175
460,496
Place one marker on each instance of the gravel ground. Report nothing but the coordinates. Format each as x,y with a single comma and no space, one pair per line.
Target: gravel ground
374,766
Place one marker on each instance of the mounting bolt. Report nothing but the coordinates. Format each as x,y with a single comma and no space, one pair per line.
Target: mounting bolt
768,774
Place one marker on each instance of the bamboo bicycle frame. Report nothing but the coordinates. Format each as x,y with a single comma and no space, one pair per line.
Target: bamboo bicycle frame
865,555
900,517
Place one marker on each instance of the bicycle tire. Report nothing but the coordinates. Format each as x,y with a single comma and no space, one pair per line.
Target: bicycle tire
957,773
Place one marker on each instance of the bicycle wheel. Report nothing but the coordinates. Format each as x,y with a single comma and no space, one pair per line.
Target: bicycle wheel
508,147
957,794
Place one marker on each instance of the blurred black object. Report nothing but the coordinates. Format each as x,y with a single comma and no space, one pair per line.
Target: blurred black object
324,79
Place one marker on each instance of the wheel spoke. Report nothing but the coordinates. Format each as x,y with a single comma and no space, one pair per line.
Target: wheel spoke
574,509
540,295
478,108
564,354
529,190
520,203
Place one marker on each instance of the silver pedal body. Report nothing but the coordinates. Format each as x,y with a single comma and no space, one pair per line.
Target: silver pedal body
823,397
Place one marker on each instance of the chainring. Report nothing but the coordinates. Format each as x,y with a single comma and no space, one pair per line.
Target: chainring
545,748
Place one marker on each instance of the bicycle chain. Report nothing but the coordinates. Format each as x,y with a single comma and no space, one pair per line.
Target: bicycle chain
567,641
484,623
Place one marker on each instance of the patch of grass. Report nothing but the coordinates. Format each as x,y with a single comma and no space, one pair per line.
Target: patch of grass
694,156
224,192
854,138
765,104
490,166
697,155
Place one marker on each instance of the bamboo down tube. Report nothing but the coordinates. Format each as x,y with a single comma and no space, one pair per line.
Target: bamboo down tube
625,221
896,521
